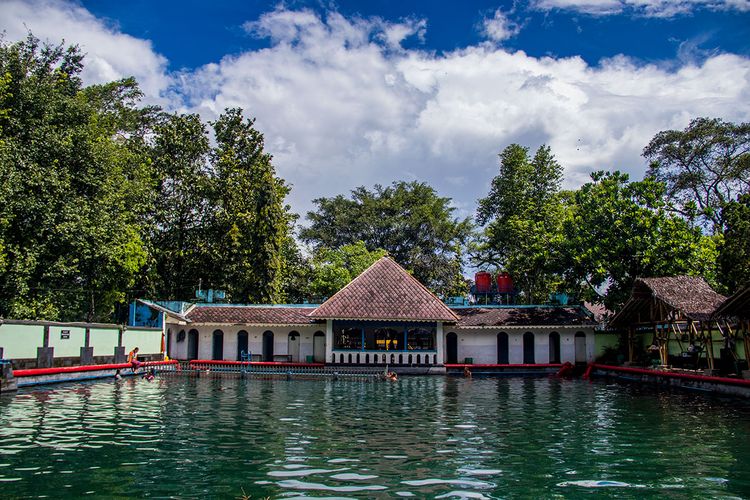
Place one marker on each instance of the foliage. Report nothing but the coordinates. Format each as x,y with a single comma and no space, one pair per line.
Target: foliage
407,219
179,227
74,186
252,220
333,269
619,230
704,167
734,257
523,216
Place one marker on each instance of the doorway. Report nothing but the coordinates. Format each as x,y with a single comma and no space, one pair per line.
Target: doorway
268,345
451,349
293,346
218,345
192,345
241,344
319,347
580,340
528,348
554,347
502,348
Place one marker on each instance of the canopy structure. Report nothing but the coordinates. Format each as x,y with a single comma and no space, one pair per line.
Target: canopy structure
738,307
679,306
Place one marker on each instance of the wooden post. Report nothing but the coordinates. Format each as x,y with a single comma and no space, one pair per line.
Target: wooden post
709,346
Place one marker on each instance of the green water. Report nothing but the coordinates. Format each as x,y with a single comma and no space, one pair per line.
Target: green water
424,437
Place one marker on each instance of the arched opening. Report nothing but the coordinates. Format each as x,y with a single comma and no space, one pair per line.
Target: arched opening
169,342
580,340
393,359
192,351
333,358
502,348
451,349
367,359
357,358
410,359
350,359
434,359
554,347
383,358
241,344
319,347
218,345
268,345
401,359
528,348
341,359
292,348
419,359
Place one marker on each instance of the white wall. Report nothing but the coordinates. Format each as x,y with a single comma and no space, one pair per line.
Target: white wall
254,340
481,344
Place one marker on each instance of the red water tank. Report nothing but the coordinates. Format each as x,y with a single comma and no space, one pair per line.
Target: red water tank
504,283
483,282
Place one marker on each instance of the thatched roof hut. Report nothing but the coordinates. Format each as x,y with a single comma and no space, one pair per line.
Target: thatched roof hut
737,306
677,298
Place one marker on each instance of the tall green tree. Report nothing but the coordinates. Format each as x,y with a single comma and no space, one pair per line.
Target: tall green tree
523,219
252,219
704,167
734,257
619,230
180,227
406,219
75,185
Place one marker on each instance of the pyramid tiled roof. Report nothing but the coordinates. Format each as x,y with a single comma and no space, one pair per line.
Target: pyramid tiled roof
385,291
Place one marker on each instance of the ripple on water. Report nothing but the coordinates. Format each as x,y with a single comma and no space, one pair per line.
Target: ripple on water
301,485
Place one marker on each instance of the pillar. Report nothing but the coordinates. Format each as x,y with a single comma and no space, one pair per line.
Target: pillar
440,343
329,340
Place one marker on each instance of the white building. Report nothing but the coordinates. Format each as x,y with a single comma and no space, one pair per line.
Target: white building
383,316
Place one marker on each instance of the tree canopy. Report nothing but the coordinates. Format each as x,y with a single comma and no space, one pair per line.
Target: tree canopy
406,219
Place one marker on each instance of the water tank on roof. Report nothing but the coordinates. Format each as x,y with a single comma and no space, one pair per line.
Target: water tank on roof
483,282
504,283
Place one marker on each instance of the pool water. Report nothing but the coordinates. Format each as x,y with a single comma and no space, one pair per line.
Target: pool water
422,437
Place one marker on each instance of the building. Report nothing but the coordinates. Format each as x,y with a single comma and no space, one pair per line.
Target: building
384,316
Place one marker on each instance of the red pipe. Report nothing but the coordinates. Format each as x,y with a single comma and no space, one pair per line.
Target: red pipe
540,365
35,372
216,362
686,376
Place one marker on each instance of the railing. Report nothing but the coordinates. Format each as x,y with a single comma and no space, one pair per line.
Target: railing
267,369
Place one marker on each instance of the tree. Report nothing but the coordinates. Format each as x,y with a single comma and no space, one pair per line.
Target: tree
618,231
252,220
180,227
704,167
332,270
523,215
407,219
734,257
75,185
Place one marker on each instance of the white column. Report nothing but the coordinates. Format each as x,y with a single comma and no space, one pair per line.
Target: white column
440,343
329,340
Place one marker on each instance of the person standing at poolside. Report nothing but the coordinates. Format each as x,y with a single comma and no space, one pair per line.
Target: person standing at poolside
133,359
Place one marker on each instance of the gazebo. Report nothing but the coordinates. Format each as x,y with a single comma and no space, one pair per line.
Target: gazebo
679,308
738,307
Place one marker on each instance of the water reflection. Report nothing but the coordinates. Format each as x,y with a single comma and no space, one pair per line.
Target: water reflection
422,437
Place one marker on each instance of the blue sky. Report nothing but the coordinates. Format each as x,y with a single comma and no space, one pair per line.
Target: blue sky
355,93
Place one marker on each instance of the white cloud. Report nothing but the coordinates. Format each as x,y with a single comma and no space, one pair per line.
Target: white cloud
110,54
343,104
499,28
649,8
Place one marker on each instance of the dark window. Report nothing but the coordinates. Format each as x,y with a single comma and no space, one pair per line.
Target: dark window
528,348
421,339
347,338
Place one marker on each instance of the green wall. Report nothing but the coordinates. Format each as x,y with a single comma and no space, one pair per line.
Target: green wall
20,341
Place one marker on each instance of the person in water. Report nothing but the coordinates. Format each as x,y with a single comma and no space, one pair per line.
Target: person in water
467,372
133,359
149,375
117,375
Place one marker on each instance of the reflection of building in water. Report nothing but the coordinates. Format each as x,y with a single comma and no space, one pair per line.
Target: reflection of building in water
384,316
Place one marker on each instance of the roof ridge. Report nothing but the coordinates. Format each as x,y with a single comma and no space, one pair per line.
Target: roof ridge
349,284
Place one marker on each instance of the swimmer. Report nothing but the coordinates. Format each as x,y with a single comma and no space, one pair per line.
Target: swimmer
149,375
133,359
467,372
117,375
392,376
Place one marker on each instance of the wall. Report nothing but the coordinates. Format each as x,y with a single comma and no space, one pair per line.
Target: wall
480,344
20,340
178,350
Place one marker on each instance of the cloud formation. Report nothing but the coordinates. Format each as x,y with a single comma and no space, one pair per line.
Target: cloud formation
647,8
342,103
499,27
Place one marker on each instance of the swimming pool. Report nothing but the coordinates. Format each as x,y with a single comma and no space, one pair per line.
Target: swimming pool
421,436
